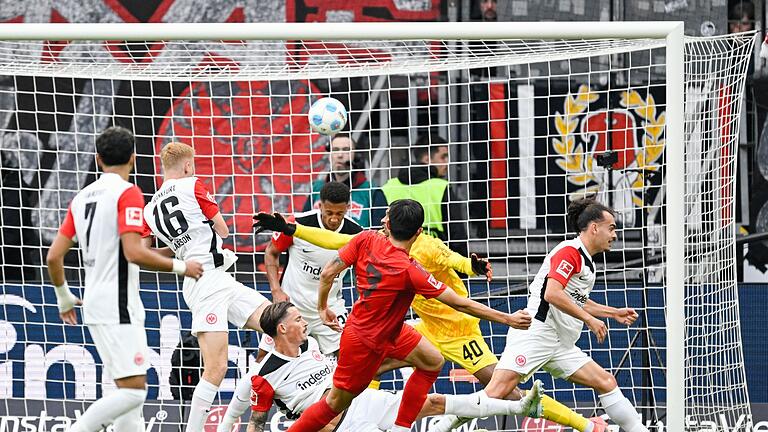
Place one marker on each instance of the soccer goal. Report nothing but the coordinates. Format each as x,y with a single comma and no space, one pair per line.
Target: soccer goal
532,115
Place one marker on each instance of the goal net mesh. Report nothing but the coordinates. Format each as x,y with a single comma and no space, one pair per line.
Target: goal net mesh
528,124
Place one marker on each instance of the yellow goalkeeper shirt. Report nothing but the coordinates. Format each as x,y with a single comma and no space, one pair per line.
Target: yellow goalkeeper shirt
439,319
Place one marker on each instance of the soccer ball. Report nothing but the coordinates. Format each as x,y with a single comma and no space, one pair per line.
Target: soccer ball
327,116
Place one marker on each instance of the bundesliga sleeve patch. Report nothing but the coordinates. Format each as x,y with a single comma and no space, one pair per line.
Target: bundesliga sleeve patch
434,282
133,216
565,269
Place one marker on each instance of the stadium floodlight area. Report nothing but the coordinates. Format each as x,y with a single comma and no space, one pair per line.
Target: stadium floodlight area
534,114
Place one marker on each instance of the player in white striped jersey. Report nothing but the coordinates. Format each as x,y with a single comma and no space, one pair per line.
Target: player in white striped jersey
184,216
559,302
301,276
295,375
105,219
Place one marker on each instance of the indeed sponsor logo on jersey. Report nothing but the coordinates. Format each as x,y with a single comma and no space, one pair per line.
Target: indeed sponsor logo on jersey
579,298
314,271
314,378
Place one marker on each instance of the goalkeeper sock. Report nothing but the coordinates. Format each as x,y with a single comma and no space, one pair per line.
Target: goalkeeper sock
106,410
237,406
202,399
414,395
559,413
621,411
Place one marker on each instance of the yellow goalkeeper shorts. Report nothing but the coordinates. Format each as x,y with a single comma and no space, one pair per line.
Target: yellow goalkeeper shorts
470,351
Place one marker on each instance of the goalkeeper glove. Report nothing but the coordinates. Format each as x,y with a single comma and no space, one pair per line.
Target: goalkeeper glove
480,266
272,222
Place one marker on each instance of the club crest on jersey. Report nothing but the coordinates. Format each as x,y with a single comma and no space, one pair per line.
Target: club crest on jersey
138,359
133,216
211,318
434,282
564,269
521,360
317,356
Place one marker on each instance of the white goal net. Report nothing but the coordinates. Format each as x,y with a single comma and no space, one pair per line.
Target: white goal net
528,124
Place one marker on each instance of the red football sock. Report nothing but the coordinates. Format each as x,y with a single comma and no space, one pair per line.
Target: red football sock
314,418
414,395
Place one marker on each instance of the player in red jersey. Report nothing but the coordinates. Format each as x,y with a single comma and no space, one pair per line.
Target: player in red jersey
105,218
387,280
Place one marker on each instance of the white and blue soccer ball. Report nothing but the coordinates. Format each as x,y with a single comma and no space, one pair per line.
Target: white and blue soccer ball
327,116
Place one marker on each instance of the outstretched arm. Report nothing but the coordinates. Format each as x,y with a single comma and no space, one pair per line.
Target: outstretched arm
272,267
520,319
443,256
324,238
321,237
626,316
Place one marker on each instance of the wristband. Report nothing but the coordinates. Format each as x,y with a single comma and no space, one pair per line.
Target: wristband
62,291
179,267
65,299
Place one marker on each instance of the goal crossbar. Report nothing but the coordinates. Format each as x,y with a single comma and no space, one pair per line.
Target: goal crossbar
340,31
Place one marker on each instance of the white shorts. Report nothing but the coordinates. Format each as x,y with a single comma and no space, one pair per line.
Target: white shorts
216,298
371,411
122,348
539,347
327,338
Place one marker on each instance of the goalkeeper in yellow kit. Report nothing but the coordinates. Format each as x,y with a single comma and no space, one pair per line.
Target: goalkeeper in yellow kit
455,334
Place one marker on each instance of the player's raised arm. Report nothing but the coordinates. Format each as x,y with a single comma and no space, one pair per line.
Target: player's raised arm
442,256
519,320
317,236
279,243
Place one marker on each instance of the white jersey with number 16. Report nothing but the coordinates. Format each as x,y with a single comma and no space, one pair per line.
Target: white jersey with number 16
180,215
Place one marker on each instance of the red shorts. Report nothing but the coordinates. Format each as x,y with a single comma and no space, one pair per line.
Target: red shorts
357,364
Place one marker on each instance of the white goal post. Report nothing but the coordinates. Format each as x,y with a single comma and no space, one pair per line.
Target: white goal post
520,44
